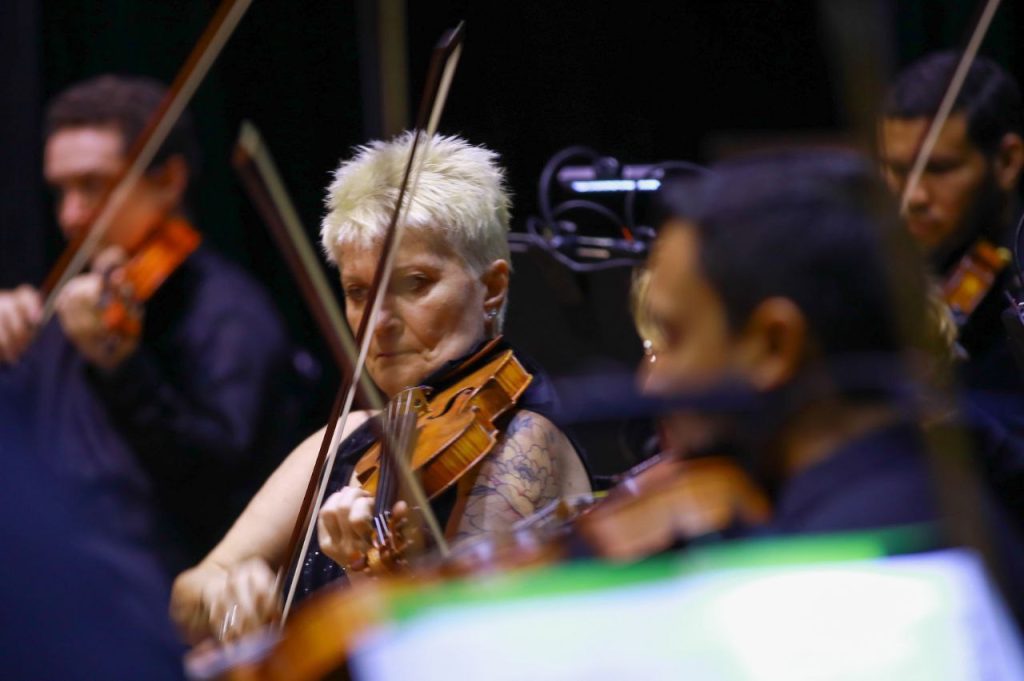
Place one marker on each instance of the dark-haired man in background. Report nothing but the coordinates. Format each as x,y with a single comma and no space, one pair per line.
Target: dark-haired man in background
965,205
161,433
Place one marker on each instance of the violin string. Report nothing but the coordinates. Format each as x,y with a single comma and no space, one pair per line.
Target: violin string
403,454
384,473
288,226
382,461
384,466
397,446
422,504
397,452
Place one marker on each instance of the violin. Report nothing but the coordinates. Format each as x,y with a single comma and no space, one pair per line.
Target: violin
670,500
662,503
455,429
657,504
973,277
128,287
452,429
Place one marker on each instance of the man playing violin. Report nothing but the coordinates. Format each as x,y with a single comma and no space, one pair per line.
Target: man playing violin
159,429
447,296
966,200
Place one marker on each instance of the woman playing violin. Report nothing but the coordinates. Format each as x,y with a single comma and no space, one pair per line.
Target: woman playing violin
446,296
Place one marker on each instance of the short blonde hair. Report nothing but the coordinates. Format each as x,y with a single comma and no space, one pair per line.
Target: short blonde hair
461,195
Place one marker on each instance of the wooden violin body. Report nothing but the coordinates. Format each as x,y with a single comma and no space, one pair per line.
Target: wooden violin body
670,501
129,286
455,427
972,278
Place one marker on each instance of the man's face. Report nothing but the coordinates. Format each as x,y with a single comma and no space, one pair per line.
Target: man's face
80,164
955,194
694,347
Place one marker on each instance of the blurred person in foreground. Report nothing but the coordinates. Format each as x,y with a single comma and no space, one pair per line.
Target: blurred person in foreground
802,289
74,606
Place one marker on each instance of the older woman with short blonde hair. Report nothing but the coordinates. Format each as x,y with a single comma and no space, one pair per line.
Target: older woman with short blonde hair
446,297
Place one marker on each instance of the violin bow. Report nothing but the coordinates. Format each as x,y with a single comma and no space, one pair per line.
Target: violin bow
263,183
443,61
77,254
963,66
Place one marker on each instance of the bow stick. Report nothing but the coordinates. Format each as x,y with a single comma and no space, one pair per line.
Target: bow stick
442,69
262,181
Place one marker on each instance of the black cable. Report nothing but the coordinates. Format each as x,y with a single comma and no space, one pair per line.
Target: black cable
548,173
584,204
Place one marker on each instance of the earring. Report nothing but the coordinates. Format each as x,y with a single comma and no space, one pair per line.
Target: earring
491,315
649,352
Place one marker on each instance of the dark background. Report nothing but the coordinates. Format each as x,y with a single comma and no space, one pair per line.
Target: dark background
641,81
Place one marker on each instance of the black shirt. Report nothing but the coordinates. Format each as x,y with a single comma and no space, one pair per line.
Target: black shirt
166,448
76,606
882,480
878,480
991,376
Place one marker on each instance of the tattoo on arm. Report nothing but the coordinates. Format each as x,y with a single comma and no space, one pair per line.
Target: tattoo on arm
519,476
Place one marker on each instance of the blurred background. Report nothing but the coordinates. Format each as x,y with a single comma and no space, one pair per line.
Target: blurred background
642,82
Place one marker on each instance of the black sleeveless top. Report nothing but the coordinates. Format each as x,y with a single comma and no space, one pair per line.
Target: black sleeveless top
319,570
